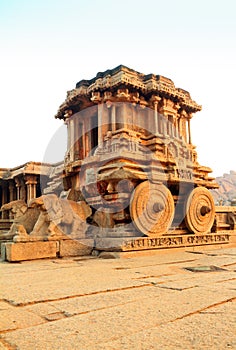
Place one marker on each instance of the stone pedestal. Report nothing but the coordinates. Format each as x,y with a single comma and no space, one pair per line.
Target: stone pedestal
28,251
70,247
32,250
168,241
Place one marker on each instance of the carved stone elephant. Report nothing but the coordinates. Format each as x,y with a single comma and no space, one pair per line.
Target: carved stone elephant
24,218
60,216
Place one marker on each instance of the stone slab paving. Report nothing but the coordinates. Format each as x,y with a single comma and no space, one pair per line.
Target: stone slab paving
143,302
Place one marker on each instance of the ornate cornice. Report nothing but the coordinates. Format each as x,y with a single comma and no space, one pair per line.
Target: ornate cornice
124,77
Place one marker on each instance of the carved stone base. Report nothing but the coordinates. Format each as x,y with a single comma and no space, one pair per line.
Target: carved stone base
70,247
21,251
28,251
147,243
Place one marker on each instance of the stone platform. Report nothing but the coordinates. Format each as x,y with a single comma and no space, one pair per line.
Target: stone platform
165,241
33,250
58,248
149,302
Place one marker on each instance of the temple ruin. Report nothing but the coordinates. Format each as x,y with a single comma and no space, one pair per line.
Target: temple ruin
130,179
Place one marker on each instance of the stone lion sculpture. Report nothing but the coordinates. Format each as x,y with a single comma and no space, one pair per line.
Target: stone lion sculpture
24,218
60,216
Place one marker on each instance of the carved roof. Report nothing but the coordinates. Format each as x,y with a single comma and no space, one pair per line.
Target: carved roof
33,168
126,77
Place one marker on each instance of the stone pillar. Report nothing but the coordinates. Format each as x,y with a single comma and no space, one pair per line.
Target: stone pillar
68,134
11,191
157,127
184,132
11,187
23,194
72,138
176,120
165,125
180,126
100,111
175,131
4,201
83,140
18,185
170,125
113,117
76,138
124,115
31,183
86,145
189,132
4,194
183,125
67,120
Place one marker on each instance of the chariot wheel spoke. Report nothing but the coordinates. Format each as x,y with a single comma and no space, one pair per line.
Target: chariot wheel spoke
152,208
200,211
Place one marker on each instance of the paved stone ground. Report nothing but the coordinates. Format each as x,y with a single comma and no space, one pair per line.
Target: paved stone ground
141,302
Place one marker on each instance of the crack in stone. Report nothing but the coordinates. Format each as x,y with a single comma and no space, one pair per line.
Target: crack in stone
203,309
151,265
230,279
152,276
171,321
21,304
173,288
231,264
7,345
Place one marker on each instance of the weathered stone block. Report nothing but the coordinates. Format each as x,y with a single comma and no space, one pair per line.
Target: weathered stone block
70,247
233,237
3,251
29,250
110,244
148,243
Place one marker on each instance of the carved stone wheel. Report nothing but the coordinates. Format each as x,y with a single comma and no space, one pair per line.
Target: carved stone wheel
152,208
200,211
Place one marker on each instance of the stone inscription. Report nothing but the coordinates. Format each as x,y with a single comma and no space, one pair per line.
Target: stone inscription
174,241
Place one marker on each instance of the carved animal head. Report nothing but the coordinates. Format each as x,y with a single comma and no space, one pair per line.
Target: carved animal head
45,202
36,202
17,208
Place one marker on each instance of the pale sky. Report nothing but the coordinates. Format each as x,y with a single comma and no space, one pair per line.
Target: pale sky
49,45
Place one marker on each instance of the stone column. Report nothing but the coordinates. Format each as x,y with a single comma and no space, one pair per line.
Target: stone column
18,185
156,100
100,111
189,132
165,125
11,191
113,117
31,182
83,140
176,120
23,193
4,201
184,132
4,194
170,121
180,126
76,138
72,138
68,134
86,145
66,122
124,115
156,126
11,187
